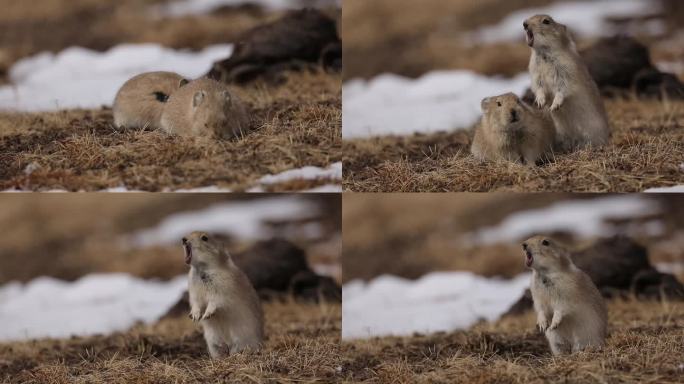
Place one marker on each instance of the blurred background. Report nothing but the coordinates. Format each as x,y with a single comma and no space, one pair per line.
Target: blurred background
440,262
98,263
415,58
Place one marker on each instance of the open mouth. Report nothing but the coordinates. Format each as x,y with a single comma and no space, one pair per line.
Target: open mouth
188,253
530,37
528,259
514,116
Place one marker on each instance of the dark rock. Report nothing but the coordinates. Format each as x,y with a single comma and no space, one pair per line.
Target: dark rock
652,83
299,40
619,267
277,269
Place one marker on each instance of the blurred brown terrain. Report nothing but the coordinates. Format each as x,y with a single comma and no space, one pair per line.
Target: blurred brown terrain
409,235
69,236
296,122
411,38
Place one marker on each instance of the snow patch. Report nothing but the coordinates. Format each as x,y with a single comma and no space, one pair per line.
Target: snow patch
584,218
332,173
440,301
584,18
438,101
243,219
82,78
674,189
94,304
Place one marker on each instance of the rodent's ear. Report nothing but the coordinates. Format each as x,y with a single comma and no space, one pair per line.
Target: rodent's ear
227,96
183,82
197,99
485,103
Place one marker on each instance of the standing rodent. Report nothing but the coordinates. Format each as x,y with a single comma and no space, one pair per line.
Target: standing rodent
560,76
205,108
140,101
511,130
221,298
570,309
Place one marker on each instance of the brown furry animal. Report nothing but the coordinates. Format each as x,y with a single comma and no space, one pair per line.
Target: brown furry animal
205,108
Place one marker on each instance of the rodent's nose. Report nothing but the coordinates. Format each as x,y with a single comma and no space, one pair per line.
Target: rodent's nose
525,25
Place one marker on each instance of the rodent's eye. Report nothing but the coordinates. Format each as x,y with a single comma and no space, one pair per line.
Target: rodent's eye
498,103
545,243
546,21
204,238
524,245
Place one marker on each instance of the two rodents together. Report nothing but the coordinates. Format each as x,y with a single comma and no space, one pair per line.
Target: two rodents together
188,108
571,114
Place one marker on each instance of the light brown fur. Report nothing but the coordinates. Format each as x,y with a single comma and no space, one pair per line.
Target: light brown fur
222,298
205,108
139,103
510,130
561,82
570,309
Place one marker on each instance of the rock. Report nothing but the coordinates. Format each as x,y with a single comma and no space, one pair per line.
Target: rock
300,39
619,267
277,268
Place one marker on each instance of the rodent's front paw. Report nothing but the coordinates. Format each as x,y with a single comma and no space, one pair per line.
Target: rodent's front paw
555,105
208,314
543,324
195,315
540,99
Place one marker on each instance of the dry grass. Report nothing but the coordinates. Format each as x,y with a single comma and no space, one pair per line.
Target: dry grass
302,345
295,125
645,344
646,150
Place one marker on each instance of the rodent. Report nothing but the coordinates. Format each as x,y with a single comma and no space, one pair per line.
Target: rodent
570,309
205,108
511,130
139,103
560,76
222,298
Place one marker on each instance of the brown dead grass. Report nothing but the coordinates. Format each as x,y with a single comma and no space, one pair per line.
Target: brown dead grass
295,125
646,151
302,345
645,344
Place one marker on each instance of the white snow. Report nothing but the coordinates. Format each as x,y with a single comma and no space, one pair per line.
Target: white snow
81,78
584,218
244,219
584,18
328,188
332,173
674,189
196,7
440,301
104,303
438,101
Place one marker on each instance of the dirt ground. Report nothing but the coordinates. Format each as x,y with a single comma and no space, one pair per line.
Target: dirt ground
645,344
412,38
409,235
295,124
302,345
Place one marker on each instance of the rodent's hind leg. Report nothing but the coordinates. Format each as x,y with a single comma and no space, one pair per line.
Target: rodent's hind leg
557,343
